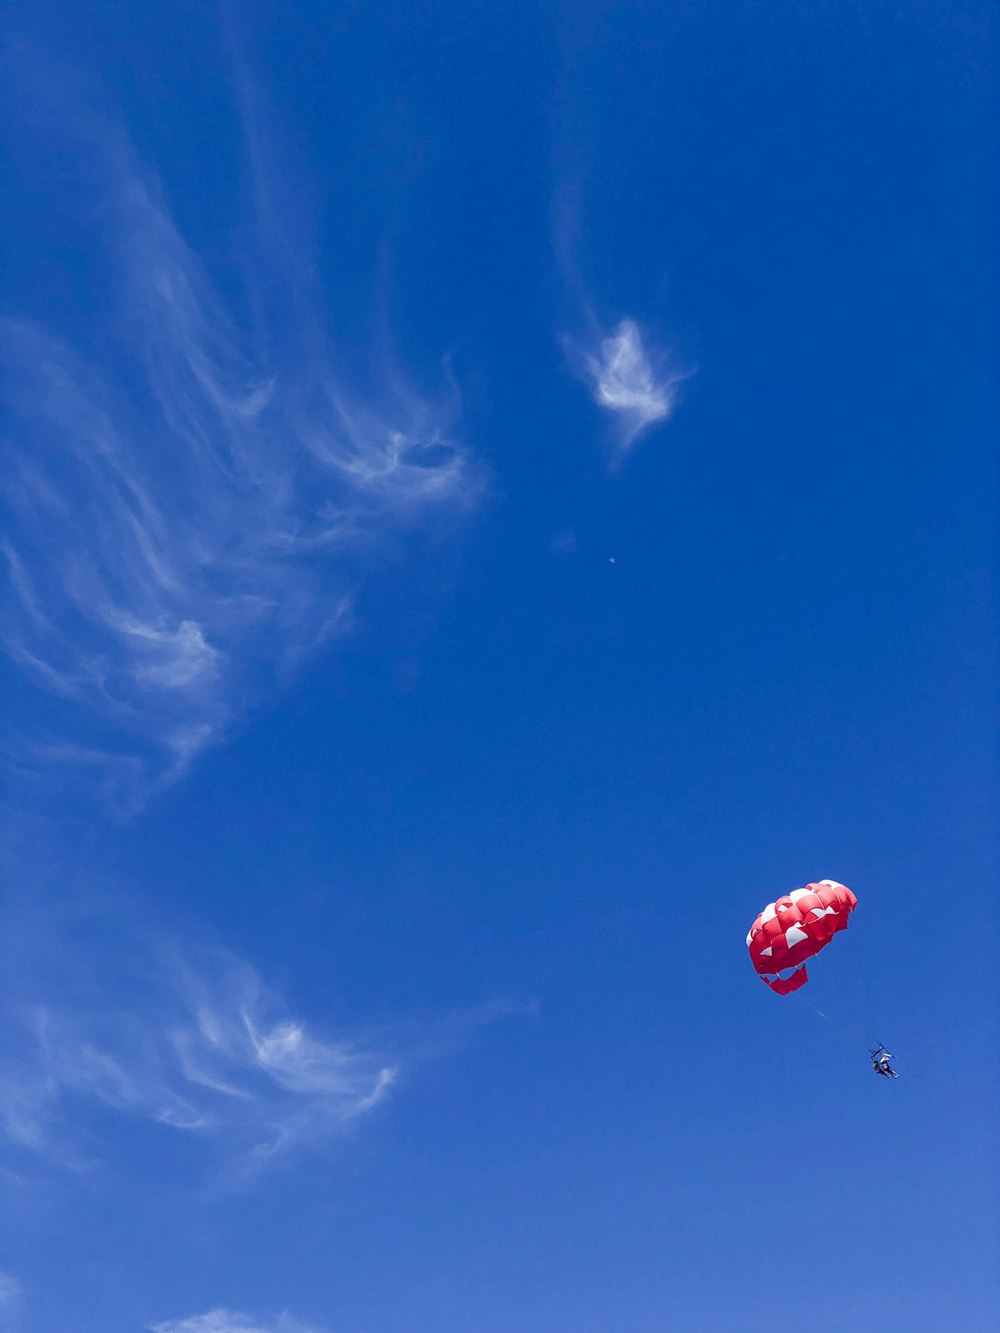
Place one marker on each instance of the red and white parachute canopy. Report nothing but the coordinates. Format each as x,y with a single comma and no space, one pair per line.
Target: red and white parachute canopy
795,928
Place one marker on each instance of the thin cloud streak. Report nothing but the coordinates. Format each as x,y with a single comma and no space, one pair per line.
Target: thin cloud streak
11,1303
10,1300
228,1321
185,516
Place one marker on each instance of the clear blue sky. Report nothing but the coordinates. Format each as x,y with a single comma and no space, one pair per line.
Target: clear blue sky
492,496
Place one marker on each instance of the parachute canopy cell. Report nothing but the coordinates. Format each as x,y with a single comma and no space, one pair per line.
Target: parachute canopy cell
796,927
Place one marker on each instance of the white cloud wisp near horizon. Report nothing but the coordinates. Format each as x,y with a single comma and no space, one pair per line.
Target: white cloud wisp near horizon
186,506
229,1321
10,1300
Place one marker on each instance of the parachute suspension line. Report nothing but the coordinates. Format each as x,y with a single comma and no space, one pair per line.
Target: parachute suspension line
848,1030
861,959
809,1005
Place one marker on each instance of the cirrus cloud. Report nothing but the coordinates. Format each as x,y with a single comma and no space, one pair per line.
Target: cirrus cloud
638,388
229,1321
190,494
200,1046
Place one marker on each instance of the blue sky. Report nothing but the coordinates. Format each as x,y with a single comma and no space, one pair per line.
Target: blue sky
492,496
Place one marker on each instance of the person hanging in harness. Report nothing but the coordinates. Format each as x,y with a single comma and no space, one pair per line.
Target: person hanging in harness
880,1062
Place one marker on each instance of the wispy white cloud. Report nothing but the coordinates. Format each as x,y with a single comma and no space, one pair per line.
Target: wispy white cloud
200,1047
10,1301
637,387
228,1321
187,504
107,1017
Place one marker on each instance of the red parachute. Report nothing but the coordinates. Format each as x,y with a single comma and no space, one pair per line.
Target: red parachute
795,928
